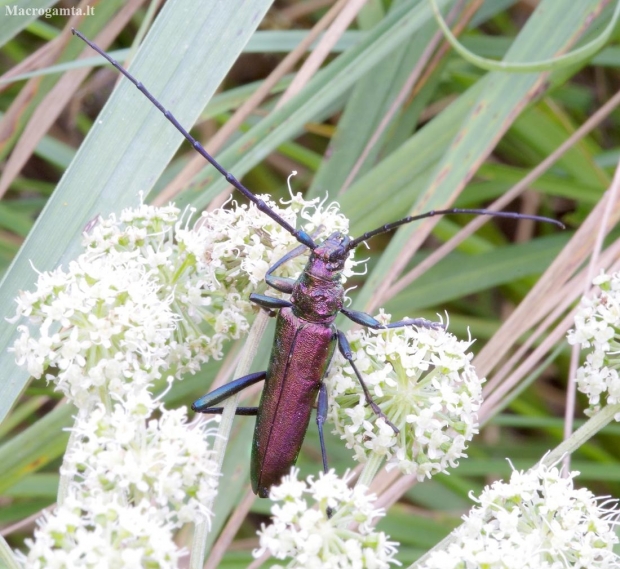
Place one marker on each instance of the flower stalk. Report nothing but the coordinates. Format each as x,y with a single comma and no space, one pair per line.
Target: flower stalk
370,470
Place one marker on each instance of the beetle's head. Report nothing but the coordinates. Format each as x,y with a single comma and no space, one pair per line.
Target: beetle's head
327,260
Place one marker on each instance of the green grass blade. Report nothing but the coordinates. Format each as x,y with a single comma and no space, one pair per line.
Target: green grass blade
315,101
502,96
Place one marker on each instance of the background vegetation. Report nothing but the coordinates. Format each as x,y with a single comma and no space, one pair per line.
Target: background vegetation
381,115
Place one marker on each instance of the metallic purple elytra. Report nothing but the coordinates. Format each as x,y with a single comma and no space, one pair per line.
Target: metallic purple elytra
305,337
300,357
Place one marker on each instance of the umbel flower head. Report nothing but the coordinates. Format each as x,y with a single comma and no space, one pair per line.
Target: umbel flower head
162,459
312,539
152,295
135,481
92,531
597,329
425,384
538,520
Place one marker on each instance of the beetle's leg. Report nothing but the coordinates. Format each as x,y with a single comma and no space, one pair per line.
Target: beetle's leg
204,404
371,322
321,416
345,350
241,411
285,284
269,303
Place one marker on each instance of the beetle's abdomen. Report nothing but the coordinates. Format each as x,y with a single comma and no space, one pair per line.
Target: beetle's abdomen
299,359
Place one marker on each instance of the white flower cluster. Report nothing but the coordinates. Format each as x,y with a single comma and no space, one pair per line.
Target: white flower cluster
538,520
424,383
241,243
136,481
102,530
150,294
150,299
312,539
597,327
161,460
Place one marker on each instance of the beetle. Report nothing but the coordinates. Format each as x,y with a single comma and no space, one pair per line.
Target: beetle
306,337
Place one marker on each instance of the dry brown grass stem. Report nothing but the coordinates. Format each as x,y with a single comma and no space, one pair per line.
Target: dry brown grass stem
314,61
610,198
222,545
595,120
57,99
42,57
297,11
544,295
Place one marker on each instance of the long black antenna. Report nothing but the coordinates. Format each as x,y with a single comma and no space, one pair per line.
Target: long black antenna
301,236
389,226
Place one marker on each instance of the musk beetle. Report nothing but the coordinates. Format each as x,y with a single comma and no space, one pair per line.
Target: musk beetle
305,337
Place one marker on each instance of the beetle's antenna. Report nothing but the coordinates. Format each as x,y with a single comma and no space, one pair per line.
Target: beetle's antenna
390,226
301,236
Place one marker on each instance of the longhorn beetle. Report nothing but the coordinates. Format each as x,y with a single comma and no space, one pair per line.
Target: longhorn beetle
306,336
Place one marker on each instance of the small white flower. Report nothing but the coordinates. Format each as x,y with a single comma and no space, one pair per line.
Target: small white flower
424,383
597,329
538,520
312,539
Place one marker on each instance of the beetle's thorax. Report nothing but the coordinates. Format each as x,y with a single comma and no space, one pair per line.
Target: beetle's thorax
318,294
